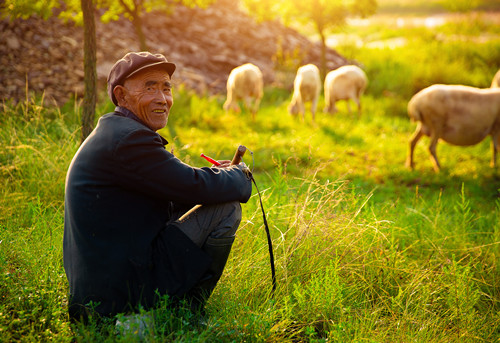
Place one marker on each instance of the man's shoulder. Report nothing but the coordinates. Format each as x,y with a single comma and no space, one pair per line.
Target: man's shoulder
120,125
117,120
120,129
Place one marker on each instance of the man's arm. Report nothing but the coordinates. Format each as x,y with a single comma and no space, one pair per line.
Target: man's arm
147,167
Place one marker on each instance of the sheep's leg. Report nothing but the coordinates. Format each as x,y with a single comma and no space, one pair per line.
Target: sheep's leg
432,150
334,107
314,104
246,105
330,105
255,108
235,105
413,142
358,102
495,143
302,109
326,109
231,103
228,104
348,106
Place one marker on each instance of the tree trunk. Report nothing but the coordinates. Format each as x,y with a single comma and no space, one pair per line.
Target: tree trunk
323,55
89,68
137,21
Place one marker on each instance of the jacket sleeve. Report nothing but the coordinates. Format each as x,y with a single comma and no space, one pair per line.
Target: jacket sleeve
147,167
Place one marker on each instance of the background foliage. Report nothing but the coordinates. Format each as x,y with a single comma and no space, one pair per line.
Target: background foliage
366,250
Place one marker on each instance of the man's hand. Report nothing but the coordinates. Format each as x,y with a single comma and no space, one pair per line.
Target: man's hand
223,164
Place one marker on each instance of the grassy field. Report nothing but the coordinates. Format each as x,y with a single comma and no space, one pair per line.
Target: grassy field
366,250
425,7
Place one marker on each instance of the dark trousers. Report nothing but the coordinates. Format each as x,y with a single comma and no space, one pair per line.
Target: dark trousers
213,229
214,221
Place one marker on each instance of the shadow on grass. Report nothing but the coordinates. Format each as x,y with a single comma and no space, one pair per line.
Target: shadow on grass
336,137
404,183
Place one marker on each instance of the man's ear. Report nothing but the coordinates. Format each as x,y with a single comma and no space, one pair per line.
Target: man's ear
119,92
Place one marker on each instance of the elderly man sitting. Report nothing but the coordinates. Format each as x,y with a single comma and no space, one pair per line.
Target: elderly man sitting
123,241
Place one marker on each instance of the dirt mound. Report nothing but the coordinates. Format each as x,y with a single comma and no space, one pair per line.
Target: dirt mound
47,56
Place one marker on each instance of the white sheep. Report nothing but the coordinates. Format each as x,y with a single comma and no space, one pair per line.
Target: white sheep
496,80
244,83
306,87
459,115
344,83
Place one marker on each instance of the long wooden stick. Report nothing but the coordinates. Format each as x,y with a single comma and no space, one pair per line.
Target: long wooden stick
238,155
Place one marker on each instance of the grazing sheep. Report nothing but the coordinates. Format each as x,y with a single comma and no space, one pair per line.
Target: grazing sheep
244,83
459,115
496,80
344,83
306,87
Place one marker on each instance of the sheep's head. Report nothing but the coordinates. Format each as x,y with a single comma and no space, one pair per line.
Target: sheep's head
231,106
293,108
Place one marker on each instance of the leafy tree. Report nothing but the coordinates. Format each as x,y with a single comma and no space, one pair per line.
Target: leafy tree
26,8
134,10
462,6
325,15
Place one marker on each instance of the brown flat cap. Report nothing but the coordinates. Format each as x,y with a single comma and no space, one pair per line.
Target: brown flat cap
130,64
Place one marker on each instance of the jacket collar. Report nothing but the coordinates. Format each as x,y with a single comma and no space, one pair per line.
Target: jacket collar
124,112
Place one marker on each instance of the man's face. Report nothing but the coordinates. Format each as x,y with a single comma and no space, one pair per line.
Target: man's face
148,94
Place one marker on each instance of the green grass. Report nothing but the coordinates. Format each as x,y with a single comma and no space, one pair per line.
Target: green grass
427,7
366,250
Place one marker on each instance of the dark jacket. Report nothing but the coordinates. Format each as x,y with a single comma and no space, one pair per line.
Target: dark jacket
120,188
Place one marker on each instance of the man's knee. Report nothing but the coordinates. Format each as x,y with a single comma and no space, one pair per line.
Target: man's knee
231,218
233,209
